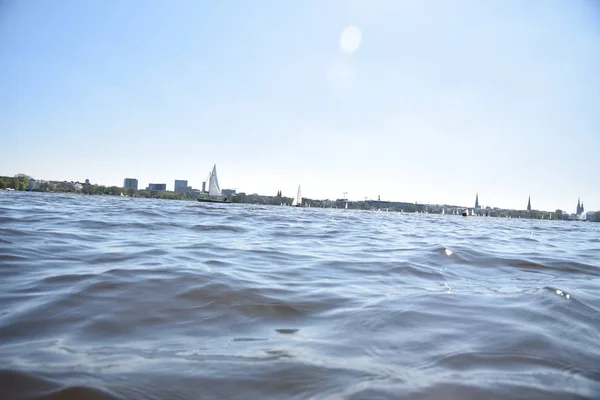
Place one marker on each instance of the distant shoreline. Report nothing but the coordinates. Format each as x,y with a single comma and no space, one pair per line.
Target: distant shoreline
391,206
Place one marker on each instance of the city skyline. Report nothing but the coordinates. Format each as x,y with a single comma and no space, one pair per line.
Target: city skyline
199,188
425,102
133,183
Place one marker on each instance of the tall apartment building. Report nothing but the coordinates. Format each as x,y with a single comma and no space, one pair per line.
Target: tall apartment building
181,186
129,183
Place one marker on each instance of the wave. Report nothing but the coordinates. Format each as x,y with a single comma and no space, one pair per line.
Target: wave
151,299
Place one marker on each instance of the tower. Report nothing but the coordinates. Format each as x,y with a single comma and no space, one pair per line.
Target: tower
477,200
578,207
529,204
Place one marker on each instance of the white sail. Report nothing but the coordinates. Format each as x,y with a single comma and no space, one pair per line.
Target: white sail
346,206
213,184
298,200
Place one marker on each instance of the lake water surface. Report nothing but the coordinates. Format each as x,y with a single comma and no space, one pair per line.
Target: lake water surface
121,298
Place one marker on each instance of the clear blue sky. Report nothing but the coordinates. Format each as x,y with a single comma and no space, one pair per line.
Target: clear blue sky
441,99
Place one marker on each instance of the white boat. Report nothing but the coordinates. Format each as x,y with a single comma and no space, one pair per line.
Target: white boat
214,194
346,206
297,202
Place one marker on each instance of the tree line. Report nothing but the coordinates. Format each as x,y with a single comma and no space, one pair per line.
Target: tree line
17,182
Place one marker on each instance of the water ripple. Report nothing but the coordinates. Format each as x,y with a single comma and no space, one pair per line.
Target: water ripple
120,298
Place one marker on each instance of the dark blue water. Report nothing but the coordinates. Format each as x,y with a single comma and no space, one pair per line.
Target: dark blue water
120,298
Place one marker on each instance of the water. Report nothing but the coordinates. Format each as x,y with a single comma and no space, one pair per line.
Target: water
119,298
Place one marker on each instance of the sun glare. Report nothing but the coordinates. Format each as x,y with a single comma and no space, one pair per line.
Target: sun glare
350,39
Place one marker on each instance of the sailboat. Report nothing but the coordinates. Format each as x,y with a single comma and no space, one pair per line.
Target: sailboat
214,194
346,206
298,200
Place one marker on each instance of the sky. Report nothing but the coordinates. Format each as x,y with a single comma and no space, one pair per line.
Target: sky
426,101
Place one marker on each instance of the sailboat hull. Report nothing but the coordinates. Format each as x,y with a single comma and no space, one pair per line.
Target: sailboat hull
214,200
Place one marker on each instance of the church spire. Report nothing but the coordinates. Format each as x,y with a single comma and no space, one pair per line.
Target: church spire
477,200
529,204
578,207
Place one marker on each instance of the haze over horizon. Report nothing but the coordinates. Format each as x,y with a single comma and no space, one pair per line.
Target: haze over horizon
430,101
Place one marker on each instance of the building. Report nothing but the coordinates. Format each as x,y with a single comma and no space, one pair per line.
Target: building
32,184
529,204
580,208
477,200
129,183
181,186
157,186
228,192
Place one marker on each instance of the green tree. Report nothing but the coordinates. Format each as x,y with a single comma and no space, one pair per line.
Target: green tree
21,181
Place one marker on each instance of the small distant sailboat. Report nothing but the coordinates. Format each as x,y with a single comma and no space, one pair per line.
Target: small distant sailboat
214,194
346,206
298,200
443,211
